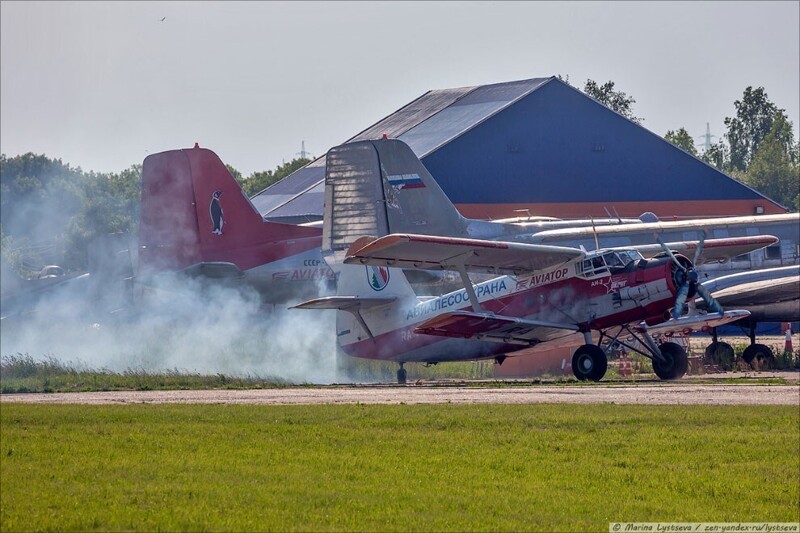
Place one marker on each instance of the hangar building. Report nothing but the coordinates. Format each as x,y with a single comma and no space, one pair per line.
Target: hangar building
539,145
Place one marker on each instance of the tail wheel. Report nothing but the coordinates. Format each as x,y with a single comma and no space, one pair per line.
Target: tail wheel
756,351
589,363
675,362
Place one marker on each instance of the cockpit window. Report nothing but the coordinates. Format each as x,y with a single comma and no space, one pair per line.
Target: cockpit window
613,259
609,261
593,266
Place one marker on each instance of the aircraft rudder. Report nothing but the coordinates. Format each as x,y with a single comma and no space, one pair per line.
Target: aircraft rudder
380,187
168,237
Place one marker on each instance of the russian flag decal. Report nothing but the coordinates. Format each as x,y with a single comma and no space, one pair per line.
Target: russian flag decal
405,181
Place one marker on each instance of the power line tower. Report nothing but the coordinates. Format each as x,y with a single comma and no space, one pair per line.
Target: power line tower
302,153
706,138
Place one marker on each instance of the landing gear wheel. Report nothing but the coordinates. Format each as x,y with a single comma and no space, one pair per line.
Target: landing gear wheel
401,375
589,363
676,363
756,351
720,353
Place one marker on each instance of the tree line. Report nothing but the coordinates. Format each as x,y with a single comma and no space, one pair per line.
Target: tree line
48,206
51,211
758,148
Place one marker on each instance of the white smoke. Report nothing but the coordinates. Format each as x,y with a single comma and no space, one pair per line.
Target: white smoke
188,325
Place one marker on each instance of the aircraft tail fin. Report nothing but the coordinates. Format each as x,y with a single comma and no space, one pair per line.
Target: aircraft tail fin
380,187
193,211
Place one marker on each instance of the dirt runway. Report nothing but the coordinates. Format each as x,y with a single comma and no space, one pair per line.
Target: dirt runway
649,394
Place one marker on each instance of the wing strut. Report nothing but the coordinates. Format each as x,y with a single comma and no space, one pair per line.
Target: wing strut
473,298
357,313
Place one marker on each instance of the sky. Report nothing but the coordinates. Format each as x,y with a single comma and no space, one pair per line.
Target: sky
101,85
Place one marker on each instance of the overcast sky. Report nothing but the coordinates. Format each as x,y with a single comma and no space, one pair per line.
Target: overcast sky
102,84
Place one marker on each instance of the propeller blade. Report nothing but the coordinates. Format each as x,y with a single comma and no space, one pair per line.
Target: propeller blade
680,300
713,305
669,252
699,248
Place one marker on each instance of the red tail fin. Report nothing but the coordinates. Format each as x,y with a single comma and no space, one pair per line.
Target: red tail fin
193,211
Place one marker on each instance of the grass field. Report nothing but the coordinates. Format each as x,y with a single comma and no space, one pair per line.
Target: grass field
23,373
420,468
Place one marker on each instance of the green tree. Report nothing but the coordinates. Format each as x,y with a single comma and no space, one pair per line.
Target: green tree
38,196
110,205
258,181
755,114
718,155
616,100
682,140
56,210
772,171
236,174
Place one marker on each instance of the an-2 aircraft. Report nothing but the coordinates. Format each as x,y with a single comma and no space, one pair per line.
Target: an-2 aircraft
544,294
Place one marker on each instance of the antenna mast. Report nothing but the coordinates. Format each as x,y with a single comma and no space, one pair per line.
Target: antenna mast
302,153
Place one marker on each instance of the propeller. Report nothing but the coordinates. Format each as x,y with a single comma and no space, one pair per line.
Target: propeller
687,279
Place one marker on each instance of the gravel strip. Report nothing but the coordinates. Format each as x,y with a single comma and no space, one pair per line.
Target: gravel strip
666,394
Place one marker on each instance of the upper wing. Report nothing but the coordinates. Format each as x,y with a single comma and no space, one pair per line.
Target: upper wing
489,327
714,250
447,253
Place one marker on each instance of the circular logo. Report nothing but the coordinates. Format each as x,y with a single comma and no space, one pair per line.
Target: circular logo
378,277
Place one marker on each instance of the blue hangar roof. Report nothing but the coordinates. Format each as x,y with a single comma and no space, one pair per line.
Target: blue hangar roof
538,144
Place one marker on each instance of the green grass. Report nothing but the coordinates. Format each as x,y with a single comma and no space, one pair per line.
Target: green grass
22,373
371,467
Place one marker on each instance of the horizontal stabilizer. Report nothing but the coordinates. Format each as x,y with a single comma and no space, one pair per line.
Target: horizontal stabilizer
495,328
344,303
425,252
714,250
688,324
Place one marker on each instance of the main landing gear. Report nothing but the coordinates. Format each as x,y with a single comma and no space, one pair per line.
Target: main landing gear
721,353
673,363
589,363
669,359
401,375
755,352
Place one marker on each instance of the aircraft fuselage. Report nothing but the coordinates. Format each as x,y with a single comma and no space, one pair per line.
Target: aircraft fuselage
590,298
